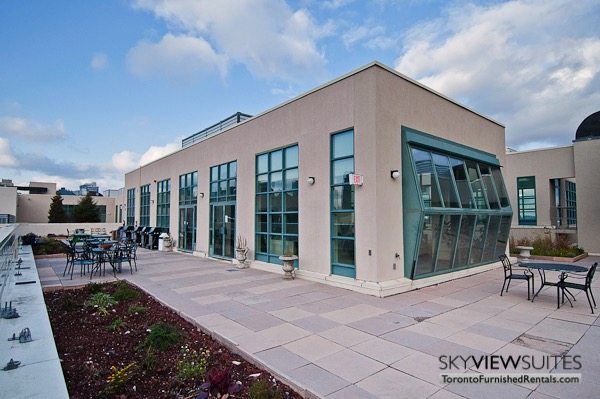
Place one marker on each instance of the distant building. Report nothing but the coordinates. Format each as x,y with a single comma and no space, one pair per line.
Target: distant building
91,188
557,190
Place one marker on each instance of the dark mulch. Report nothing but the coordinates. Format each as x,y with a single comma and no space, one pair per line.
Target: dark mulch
88,348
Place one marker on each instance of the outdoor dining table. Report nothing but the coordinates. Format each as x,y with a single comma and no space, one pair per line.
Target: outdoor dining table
542,267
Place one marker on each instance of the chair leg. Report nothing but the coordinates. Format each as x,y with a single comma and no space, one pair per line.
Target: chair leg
508,285
557,297
590,302
592,295
528,297
502,290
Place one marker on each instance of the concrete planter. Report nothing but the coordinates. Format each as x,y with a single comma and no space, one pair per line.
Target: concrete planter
556,258
288,266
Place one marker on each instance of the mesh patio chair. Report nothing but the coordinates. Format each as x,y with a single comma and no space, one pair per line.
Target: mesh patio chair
516,273
565,285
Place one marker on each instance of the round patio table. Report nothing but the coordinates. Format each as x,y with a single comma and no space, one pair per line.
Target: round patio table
542,267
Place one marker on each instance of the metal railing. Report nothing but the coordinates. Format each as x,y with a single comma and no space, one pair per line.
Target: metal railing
564,217
215,129
8,256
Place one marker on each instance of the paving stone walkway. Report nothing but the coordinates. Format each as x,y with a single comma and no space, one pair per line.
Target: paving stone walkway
334,343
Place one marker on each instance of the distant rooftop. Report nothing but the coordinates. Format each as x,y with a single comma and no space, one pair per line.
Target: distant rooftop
214,129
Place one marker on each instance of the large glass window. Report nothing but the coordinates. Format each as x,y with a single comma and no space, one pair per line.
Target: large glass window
188,197
131,206
571,194
342,205
145,205
163,203
465,212
526,200
277,204
223,191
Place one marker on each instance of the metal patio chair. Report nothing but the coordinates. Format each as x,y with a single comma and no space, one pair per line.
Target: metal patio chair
516,273
565,285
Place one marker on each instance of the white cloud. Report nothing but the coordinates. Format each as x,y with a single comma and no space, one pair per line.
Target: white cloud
99,61
182,58
6,157
533,65
25,128
372,37
125,161
335,4
269,38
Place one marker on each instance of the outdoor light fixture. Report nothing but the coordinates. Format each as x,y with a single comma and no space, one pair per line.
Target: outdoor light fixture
395,174
310,180
201,195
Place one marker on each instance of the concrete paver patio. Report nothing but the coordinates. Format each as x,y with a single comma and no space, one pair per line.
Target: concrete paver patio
334,343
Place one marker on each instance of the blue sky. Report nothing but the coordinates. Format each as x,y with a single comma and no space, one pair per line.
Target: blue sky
91,89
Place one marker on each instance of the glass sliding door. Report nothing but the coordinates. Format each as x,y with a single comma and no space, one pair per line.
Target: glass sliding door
223,191
188,200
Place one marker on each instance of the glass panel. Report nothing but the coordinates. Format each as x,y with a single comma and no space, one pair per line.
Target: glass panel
261,203
229,231
213,190
343,251
442,169
223,172
232,169
276,181
462,182
342,197
261,243
195,178
291,223
276,223
218,230
291,157
232,188
478,239
276,245
343,224
488,185
502,239
222,189
432,225
214,173
490,240
343,144
426,179
476,186
275,199
291,201
291,179
261,224
464,240
262,163
445,253
497,174
262,182
291,245
276,160
341,169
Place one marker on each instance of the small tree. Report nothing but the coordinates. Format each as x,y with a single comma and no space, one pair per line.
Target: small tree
57,214
86,211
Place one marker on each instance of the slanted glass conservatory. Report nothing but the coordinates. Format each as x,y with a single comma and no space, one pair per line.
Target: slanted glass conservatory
456,208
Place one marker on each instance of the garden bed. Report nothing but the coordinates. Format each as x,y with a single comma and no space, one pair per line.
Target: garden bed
138,348
555,258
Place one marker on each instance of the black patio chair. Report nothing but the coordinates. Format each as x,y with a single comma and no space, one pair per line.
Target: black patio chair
565,285
516,273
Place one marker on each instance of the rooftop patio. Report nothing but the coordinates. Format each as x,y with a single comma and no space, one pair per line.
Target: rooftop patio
334,343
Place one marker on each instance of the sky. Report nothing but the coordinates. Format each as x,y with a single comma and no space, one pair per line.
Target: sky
92,89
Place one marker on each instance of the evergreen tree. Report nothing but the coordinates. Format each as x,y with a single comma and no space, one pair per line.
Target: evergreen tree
86,211
57,214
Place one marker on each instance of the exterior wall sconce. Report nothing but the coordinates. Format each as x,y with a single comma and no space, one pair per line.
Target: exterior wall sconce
310,180
201,195
394,174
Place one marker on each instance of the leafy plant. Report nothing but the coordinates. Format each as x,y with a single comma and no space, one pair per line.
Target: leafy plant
101,301
86,211
161,337
56,213
118,377
94,288
546,246
116,324
262,389
149,361
241,242
69,304
133,309
124,291
28,239
192,363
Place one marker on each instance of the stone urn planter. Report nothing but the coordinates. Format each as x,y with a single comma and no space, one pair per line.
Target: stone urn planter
288,266
241,252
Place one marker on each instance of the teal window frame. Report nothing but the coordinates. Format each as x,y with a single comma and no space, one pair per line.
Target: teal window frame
471,228
163,203
526,200
342,210
223,174
276,204
188,199
131,207
571,199
145,205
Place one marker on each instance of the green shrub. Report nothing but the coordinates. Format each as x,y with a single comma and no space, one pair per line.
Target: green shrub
263,390
149,361
94,288
28,239
116,324
133,309
124,291
545,246
161,337
101,301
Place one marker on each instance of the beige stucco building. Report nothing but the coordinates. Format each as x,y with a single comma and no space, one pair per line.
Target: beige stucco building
556,190
432,204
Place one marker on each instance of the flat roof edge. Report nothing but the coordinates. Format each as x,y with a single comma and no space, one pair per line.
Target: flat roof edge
558,147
